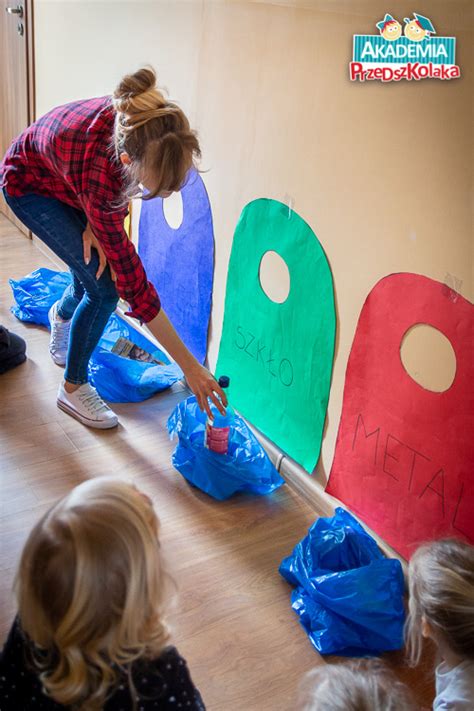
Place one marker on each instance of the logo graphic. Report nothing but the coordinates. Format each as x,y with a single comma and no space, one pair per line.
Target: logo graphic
416,55
390,29
419,28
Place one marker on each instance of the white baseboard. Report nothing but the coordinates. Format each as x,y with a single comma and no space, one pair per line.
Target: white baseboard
313,493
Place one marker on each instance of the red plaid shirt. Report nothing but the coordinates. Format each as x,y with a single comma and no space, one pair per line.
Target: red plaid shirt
68,154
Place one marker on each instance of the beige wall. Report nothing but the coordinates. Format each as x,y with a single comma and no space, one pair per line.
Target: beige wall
382,173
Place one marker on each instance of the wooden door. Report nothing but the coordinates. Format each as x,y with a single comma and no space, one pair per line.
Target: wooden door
16,77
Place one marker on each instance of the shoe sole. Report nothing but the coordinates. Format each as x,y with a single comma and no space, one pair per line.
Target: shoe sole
95,424
61,363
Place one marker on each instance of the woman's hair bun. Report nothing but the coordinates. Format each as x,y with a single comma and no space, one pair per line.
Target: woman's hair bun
135,84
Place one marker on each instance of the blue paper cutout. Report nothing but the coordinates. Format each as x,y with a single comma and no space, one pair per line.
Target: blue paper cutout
180,262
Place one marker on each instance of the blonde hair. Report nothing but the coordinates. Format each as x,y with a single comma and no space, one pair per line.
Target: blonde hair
155,133
441,586
364,685
90,590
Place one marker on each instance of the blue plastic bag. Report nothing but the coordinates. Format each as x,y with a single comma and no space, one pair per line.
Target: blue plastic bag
331,545
245,468
117,379
349,597
36,293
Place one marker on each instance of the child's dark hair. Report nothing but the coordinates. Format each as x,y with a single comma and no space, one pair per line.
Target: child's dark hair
155,134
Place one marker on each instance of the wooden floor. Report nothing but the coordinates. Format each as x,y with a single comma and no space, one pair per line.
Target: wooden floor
232,619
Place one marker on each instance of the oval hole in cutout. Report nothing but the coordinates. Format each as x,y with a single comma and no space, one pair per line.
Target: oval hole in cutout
428,357
274,277
173,210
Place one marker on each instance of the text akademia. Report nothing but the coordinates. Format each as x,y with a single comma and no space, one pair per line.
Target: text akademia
390,56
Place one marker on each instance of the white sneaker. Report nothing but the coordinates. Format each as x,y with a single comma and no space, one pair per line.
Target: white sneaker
86,405
59,339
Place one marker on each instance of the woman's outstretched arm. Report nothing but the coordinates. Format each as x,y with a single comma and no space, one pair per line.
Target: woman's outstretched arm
199,379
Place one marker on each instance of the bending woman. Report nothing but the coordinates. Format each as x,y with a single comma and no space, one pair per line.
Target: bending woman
68,178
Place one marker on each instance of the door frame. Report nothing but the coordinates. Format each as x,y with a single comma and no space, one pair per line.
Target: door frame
28,6
30,61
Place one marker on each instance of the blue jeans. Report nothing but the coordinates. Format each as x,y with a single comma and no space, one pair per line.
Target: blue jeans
87,301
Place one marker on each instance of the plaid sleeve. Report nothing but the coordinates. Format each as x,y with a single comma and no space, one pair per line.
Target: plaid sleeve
132,284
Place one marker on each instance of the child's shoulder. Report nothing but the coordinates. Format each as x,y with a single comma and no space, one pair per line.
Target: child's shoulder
165,680
455,686
169,664
14,645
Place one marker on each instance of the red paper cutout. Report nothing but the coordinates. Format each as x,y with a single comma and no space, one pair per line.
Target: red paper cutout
404,459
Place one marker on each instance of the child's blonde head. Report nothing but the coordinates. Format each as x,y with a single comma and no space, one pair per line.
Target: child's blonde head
441,585
154,133
90,590
364,685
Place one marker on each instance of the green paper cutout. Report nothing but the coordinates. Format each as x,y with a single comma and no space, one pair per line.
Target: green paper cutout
279,356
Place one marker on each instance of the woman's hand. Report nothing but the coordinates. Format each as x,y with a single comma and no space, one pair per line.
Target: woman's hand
89,240
205,386
199,379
